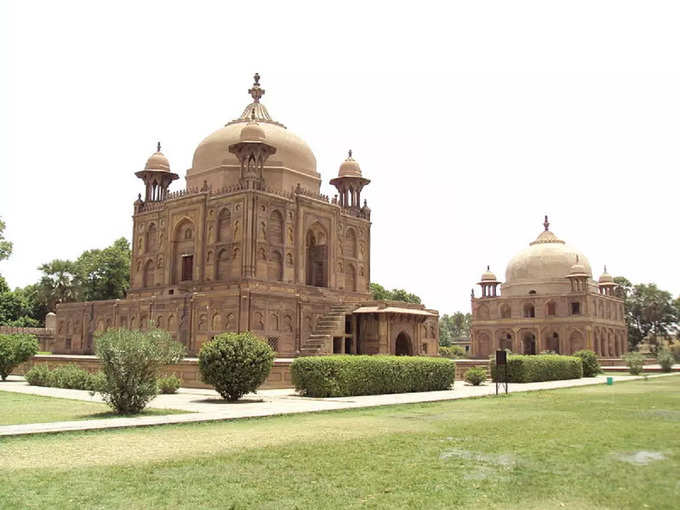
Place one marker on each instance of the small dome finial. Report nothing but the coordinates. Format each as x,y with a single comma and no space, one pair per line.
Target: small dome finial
605,268
256,92
158,147
349,154
577,259
546,223
488,268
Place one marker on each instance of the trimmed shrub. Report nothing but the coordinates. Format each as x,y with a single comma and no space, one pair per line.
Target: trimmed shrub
635,362
235,363
451,352
666,360
591,366
541,367
38,375
475,376
675,351
15,348
131,361
67,376
348,375
169,384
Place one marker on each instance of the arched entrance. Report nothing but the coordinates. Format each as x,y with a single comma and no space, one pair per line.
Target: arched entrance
402,346
317,256
529,343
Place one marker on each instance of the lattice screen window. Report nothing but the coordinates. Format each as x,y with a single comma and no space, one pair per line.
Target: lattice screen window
273,342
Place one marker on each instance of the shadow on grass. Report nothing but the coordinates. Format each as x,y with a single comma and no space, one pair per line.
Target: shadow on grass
223,401
145,412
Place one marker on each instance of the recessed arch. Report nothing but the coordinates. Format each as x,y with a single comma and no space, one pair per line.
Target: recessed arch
149,274
276,228
224,232
316,246
275,266
402,345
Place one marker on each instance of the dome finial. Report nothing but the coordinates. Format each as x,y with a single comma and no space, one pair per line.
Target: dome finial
158,147
256,92
488,267
577,259
349,154
605,268
546,223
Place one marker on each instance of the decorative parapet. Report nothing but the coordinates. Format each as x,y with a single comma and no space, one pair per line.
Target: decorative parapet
299,190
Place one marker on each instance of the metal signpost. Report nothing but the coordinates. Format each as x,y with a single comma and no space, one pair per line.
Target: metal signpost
501,370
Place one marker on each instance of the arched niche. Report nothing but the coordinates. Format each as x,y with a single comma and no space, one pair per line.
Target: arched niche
316,255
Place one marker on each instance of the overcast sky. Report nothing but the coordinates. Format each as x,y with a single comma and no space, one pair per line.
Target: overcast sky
472,119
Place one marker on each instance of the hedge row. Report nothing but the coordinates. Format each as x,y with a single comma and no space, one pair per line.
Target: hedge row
343,376
541,367
66,376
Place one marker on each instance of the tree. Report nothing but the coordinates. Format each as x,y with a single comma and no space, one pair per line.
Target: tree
454,326
103,274
95,275
380,293
14,349
57,285
132,361
650,312
5,246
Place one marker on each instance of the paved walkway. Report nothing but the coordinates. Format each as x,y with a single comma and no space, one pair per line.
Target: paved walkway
206,405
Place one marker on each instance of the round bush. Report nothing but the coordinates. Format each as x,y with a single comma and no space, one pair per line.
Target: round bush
591,367
235,363
665,359
132,361
15,348
635,362
475,376
169,384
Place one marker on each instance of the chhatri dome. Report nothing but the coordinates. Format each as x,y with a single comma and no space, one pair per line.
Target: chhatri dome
349,167
292,163
157,161
544,265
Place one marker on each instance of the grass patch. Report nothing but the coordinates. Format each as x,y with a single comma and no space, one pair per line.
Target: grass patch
19,408
581,448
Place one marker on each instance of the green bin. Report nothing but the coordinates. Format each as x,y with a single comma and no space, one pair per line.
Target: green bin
610,381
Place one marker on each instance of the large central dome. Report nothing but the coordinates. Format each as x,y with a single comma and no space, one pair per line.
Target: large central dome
543,266
292,163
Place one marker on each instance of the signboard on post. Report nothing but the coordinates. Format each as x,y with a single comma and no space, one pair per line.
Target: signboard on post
501,370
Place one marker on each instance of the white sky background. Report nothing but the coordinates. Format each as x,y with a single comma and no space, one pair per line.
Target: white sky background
473,120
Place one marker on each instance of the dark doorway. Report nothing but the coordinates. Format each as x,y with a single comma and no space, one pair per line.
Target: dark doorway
348,346
337,345
187,268
402,346
529,344
317,262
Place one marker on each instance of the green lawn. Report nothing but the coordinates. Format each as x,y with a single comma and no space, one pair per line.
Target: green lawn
615,447
17,408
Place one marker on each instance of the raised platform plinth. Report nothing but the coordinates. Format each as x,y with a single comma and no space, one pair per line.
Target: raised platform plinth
186,370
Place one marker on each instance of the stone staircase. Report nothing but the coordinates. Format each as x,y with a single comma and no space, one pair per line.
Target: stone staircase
329,325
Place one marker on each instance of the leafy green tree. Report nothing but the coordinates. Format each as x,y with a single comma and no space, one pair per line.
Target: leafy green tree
95,275
5,246
380,293
454,326
57,285
132,361
104,274
650,312
14,349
